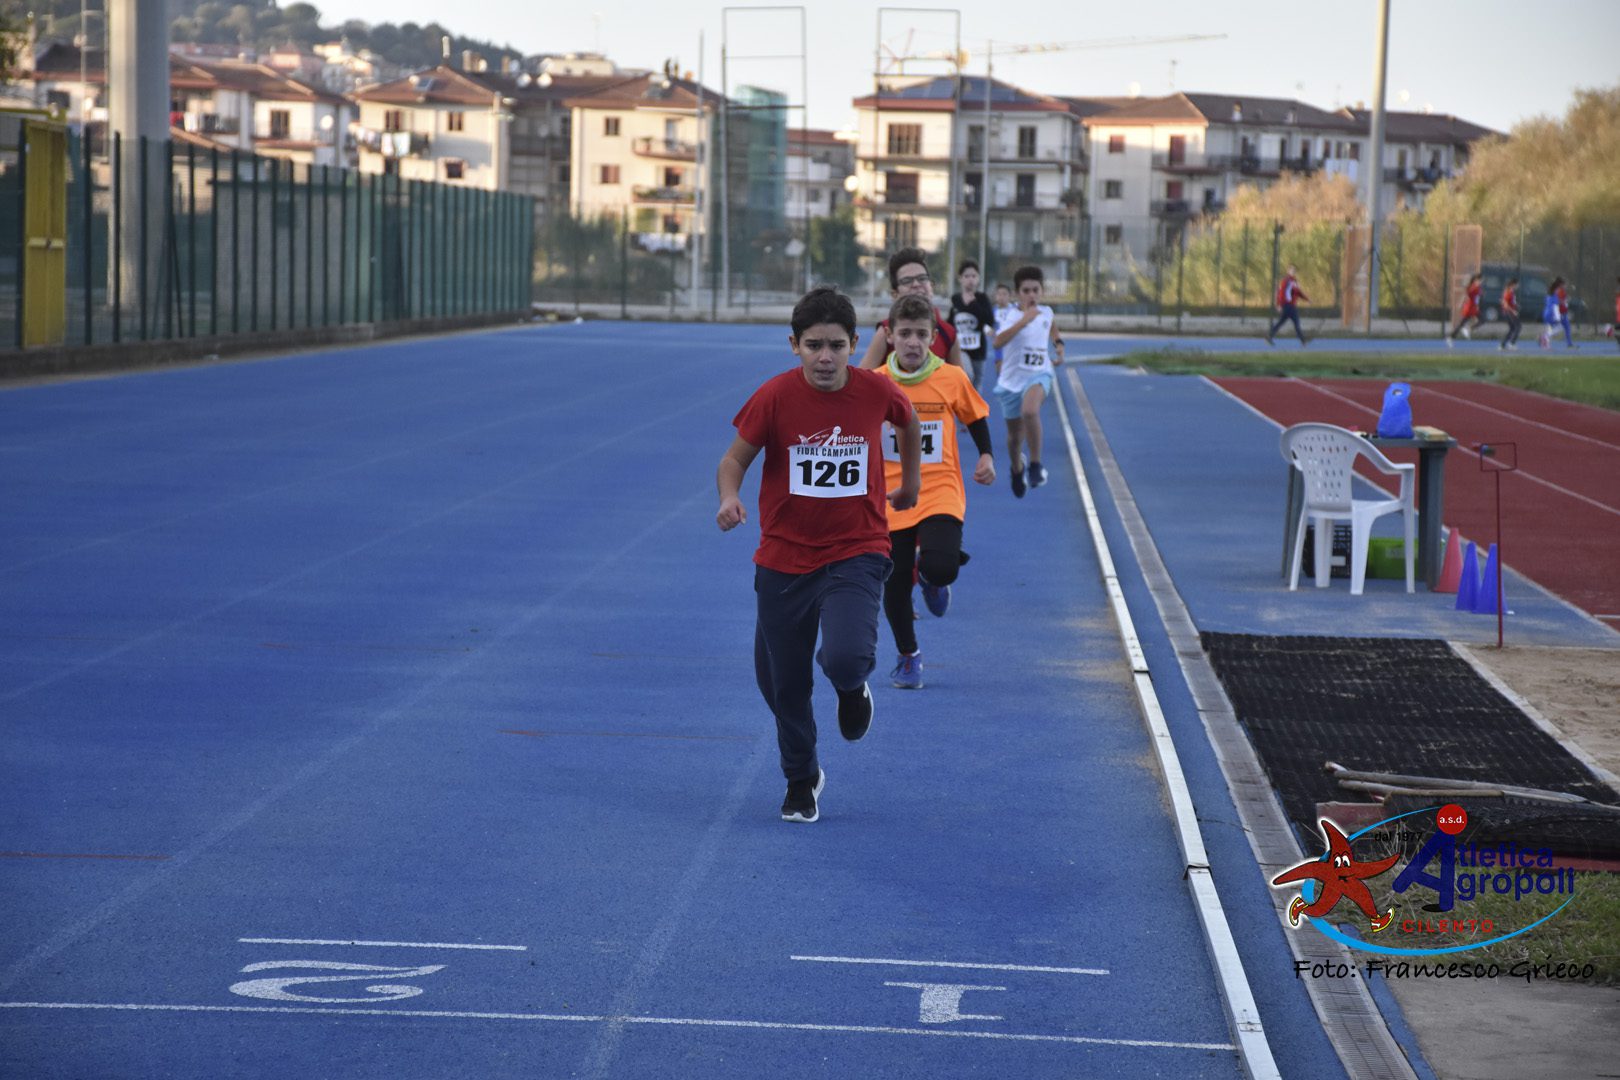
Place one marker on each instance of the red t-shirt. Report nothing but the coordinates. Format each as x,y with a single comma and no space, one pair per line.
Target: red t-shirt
1510,299
821,493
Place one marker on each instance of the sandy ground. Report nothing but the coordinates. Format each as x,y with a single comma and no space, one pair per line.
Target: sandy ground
1578,690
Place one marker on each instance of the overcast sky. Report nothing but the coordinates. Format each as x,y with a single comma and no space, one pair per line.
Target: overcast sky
1494,62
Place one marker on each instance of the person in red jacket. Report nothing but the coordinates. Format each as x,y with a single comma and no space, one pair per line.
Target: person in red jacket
1469,315
1289,294
1510,312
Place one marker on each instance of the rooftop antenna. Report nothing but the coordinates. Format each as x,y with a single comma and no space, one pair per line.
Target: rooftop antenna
1172,75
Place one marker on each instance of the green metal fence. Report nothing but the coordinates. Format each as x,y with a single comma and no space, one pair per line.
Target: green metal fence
170,240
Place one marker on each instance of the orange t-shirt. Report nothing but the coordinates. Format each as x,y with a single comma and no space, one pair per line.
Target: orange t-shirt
940,400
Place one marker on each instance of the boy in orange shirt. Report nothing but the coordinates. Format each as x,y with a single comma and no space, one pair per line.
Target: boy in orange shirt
928,536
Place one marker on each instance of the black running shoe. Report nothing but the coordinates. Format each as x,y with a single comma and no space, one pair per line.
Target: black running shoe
854,712
800,804
1018,483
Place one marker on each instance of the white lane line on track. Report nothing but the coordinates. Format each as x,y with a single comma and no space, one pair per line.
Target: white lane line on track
1470,452
950,964
661,1021
1237,997
1521,419
378,944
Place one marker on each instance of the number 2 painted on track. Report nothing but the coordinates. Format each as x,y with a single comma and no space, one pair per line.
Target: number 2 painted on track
278,988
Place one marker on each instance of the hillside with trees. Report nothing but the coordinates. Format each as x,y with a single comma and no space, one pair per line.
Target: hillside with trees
264,26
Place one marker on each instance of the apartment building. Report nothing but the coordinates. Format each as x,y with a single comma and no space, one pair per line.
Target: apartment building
818,164
220,103
637,148
1017,160
1158,162
440,125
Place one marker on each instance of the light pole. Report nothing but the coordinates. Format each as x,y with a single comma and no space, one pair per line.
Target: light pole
1375,167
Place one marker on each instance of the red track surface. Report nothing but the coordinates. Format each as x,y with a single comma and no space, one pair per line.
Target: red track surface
1560,510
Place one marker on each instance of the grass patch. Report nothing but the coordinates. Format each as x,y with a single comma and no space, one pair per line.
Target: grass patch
1586,932
1590,378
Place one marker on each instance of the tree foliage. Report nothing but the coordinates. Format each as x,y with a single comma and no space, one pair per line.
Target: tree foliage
1550,172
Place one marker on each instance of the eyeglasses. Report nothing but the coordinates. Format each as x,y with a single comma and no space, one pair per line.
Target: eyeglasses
914,279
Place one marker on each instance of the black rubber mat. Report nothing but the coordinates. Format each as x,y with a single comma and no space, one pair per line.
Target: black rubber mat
1391,705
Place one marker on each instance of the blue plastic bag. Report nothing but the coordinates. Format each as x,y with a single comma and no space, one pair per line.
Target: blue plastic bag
1395,422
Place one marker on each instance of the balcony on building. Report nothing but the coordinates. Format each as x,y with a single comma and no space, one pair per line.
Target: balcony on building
202,123
1172,162
661,195
392,144
667,149
1074,156
527,145
1416,179
1302,165
1170,207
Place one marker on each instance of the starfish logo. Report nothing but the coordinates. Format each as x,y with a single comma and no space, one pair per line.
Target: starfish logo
1337,875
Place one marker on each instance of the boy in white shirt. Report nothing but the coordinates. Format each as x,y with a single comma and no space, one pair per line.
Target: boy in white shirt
1030,347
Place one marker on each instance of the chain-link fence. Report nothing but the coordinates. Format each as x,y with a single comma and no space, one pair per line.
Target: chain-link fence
170,240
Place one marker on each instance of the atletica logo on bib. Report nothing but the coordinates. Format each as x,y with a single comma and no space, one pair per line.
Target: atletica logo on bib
828,465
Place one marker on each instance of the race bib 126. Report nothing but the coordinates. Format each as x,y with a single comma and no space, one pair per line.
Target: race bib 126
827,472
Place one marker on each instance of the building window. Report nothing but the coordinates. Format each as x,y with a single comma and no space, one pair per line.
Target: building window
972,189
899,232
1113,189
1178,149
455,121
609,174
280,123
1026,190
1173,189
394,120
454,168
1113,235
1116,144
975,142
610,125
1026,142
672,223
565,128
905,140
901,187
565,173
672,177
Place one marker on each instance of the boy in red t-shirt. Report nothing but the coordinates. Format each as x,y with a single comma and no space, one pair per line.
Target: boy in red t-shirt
908,276
824,535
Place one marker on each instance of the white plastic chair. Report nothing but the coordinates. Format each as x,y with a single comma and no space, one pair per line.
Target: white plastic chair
1326,456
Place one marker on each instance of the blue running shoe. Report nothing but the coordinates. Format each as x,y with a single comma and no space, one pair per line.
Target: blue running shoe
907,673
1037,474
937,598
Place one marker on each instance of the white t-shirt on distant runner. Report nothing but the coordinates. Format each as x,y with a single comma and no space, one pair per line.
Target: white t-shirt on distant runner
1025,358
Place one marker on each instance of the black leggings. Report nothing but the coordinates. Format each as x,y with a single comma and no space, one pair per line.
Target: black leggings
1512,334
940,537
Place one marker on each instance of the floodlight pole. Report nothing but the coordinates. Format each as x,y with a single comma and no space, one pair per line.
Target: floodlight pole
1375,167
984,167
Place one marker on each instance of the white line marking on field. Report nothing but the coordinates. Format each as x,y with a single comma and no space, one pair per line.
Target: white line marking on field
950,964
942,1002
379,944
670,1021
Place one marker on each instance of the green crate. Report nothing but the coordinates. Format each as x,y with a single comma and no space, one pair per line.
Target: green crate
1386,557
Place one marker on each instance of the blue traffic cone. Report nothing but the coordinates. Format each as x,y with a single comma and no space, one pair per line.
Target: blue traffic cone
1468,586
1487,601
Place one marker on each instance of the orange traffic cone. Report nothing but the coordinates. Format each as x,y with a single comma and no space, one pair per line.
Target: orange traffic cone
1451,567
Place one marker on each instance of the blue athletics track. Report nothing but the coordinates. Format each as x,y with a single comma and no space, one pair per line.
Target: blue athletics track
389,712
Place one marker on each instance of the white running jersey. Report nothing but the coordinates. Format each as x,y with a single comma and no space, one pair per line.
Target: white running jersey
1025,358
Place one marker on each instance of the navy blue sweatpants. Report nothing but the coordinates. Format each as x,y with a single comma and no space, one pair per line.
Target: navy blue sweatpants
840,602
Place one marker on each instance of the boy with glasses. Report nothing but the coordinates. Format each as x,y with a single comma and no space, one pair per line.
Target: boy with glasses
908,276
